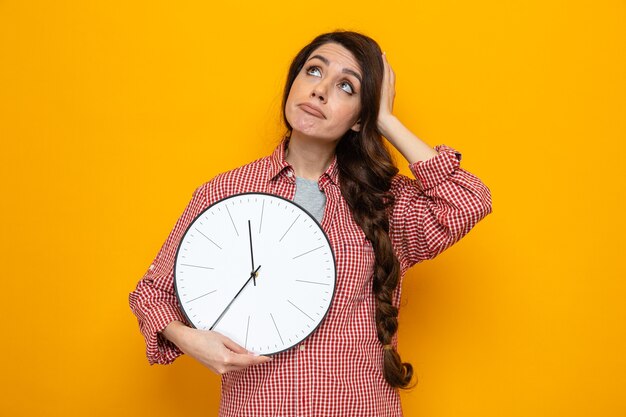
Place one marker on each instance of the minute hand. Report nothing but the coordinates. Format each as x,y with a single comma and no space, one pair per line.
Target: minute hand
251,251
253,274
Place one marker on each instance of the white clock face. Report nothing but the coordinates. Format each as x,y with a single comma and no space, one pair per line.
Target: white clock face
258,269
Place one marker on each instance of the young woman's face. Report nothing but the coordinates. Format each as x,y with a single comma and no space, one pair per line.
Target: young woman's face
324,100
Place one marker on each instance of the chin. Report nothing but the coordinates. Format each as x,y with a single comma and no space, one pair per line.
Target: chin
305,127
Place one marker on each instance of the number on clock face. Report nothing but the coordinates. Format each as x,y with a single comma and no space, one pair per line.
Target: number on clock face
257,268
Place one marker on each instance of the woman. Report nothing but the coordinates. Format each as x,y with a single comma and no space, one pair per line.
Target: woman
337,102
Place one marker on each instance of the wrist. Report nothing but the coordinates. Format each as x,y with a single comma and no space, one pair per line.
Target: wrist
387,124
175,332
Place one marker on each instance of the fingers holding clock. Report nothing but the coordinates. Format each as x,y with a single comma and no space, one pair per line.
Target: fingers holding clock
232,357
232,345
217,352
238,361
241,358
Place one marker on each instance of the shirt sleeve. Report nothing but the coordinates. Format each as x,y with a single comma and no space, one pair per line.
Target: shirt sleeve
154,301
437,208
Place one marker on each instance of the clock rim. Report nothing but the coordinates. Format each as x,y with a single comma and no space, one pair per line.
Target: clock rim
221,200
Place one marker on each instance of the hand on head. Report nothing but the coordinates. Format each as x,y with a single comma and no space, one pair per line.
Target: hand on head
388,92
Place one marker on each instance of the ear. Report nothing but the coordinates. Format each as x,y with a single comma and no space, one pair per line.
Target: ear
357,126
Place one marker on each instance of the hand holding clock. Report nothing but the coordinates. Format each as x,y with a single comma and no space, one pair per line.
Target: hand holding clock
214,350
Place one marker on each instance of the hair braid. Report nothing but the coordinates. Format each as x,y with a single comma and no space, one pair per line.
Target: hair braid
366,170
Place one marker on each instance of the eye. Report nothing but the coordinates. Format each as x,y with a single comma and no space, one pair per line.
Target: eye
315,71
347,87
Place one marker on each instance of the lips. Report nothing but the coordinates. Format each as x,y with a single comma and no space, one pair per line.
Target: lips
312,110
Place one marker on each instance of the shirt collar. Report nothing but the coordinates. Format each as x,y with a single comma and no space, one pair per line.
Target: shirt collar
278,165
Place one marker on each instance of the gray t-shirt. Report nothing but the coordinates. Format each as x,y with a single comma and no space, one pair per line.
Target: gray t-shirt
309,196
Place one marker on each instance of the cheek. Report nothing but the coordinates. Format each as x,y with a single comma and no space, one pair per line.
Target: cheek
289,104
297,88
349,113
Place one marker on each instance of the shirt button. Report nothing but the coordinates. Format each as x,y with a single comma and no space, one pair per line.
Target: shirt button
302,346
151,267
289,174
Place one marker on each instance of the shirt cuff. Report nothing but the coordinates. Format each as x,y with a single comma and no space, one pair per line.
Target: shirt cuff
437,169
159,349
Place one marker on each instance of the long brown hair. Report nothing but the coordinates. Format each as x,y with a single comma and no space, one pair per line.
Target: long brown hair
366,170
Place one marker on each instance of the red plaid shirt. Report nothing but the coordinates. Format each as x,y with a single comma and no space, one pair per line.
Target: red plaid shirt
337,371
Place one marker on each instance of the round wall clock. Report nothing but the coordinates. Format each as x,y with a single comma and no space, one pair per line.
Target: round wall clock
256,268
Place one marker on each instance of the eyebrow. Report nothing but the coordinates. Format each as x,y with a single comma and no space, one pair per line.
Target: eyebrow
345,70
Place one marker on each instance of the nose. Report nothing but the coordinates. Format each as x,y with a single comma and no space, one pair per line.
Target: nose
320,91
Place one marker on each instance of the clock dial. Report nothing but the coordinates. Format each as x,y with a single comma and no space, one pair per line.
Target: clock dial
257,268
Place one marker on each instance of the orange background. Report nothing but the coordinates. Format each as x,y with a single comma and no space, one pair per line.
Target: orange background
113,112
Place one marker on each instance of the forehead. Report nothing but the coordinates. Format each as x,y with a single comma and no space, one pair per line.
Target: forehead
337,55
